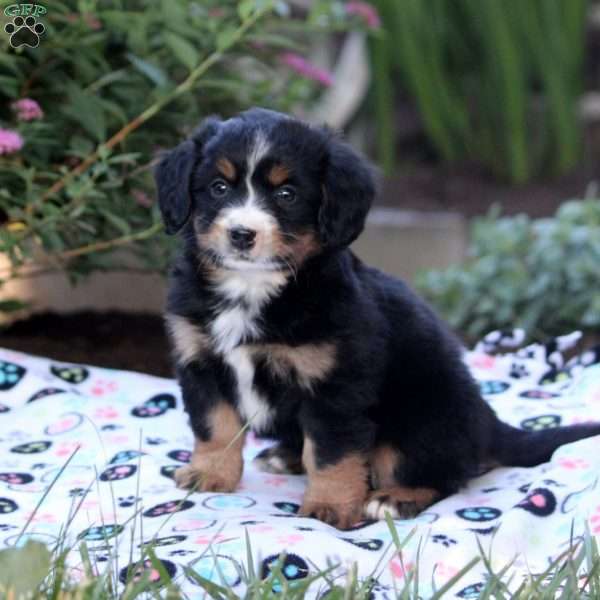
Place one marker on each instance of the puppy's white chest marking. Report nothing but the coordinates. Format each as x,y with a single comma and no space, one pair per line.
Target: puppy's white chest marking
249,290
252,406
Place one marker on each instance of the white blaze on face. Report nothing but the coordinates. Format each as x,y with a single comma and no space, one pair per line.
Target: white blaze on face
250,214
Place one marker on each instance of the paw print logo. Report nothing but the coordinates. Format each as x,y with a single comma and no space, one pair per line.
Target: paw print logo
127,501
168,507
183,456
10,375
16,478
541,422
135,572
7,506
118,472
479,513
155,406
517,371
493,386
70,374
24,32
443,539
100,533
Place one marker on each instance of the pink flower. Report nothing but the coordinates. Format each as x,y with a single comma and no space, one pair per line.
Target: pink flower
303,67
10,141
367,12
142,198
27,109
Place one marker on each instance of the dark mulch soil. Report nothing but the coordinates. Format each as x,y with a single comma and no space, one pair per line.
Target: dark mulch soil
471,193
112,339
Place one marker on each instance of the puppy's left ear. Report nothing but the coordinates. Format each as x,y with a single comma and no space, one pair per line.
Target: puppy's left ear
173,174
348,191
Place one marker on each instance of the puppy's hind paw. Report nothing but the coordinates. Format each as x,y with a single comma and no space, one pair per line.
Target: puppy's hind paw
399,502
341,516
279,460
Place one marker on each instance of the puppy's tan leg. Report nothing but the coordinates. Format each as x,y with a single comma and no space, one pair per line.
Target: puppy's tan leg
216,464
335,493
399,501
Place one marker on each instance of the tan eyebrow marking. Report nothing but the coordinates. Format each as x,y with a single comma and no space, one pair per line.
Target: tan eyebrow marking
278,174
226,168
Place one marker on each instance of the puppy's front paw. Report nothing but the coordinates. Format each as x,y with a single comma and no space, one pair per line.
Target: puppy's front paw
342,515
207,476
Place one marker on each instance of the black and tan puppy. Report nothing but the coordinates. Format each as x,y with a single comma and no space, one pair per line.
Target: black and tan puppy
275,322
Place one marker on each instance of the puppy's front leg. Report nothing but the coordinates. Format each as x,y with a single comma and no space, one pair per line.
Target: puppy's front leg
335,458
216,464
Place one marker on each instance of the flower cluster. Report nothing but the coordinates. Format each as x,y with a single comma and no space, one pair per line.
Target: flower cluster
303,67
10,141
365,11
27,109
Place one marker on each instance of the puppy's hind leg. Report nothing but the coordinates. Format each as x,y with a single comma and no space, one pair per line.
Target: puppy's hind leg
388,495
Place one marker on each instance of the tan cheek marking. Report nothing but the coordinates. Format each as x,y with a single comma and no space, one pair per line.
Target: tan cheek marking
309,363
216,464
384,462
215,237
297,248
189,341
344,483
226,168
278,174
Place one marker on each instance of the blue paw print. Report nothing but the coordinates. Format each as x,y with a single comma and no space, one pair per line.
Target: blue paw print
493,387
479,513
10,375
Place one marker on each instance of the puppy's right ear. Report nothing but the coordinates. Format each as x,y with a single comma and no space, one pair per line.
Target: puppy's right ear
173,174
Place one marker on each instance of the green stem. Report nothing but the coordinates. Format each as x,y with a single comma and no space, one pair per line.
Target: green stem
185,86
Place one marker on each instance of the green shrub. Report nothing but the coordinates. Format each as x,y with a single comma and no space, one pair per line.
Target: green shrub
117,81
495,83
542,275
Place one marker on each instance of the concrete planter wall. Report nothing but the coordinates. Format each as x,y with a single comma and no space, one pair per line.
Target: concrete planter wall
399,242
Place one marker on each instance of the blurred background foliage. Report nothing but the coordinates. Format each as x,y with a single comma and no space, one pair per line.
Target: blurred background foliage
538,274
495,83
116,82
492,86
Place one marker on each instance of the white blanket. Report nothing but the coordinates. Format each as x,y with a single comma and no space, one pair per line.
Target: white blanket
125,433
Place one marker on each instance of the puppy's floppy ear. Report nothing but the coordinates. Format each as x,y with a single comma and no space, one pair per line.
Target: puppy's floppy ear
173,174
348,191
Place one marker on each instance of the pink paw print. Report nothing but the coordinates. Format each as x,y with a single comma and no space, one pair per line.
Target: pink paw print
66,448
290,540
400,568
102,387
40,517
483,361
276,480
573,463
445,571
595,521
106,412
205,540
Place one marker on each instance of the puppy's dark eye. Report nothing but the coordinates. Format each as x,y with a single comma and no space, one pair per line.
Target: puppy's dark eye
285,194
219,188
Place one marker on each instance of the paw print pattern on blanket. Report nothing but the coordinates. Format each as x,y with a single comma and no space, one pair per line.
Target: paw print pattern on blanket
10,375
141,436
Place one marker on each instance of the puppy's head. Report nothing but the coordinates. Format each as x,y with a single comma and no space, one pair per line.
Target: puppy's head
263,191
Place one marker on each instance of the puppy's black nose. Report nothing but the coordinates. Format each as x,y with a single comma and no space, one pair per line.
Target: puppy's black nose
242,238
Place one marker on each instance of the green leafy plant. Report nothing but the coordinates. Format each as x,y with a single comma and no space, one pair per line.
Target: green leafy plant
495,83
539,274
84,115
